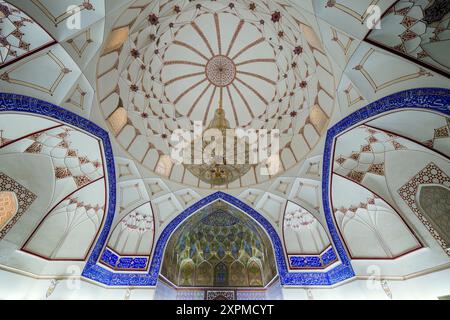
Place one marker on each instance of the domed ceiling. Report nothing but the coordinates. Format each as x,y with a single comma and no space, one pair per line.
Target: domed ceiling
143,68
262,58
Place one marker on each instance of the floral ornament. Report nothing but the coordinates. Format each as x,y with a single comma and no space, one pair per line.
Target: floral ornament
298,50
5,11
276,16
298,219
135,53
139,222
153,19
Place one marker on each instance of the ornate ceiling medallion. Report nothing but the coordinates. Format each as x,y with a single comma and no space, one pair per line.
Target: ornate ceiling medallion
221,71
263,60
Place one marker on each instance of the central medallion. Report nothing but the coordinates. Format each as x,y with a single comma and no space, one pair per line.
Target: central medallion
220,71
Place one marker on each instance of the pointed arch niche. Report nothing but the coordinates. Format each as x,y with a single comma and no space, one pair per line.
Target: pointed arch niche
42,144
306,242
219,246
97,271
378,157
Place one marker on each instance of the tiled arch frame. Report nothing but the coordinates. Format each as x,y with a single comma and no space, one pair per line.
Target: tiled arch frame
94,271
27,105
100,274
431,99
434,99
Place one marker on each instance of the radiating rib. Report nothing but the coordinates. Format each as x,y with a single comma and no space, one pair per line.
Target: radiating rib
219,38
29,135
186,76
251,74
190,63
185,92
202,35
205,117
255,61
198,99
233,107
236,33
243,99
251,45
253,90
187,46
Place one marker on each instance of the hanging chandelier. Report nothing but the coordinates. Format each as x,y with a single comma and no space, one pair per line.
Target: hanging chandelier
219,168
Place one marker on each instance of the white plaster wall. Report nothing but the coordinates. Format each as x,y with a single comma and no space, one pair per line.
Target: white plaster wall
427,287
18,287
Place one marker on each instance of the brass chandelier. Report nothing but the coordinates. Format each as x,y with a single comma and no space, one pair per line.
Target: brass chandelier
220,168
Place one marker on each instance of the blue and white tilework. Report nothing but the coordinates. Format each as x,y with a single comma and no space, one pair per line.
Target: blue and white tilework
321,261
434,99
123,263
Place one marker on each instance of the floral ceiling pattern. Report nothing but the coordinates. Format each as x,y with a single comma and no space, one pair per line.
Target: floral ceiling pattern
263,59
20,35
142,69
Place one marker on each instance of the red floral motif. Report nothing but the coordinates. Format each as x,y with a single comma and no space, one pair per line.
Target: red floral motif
71,153
330,4
355,156
397,145
400,47
62,173
298,50
88,6
377,169
408,22
341,160
408,35
366,148
4,10
276,16
153,19
357,176
83,160
422,55
81,180
135,53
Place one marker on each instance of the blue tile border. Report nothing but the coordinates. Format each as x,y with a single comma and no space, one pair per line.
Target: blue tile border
319,261
18,103
100,274
433,99
123,263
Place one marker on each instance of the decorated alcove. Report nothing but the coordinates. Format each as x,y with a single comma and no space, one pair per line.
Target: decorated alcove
366,163
89,193
224,210
219,247
56,179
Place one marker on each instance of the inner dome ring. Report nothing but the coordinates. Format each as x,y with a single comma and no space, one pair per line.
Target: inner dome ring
220,71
